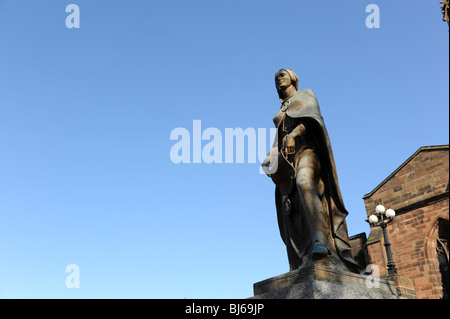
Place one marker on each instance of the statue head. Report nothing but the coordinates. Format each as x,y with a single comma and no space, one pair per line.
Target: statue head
284,78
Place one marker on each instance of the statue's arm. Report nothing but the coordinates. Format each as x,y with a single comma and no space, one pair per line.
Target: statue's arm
289,142
298,131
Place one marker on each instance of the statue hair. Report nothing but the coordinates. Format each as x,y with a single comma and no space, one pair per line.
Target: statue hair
294,81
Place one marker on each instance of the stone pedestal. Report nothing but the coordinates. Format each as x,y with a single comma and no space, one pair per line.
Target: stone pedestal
322,282
405,287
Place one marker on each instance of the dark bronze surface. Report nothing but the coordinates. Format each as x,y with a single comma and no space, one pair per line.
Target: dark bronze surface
310,210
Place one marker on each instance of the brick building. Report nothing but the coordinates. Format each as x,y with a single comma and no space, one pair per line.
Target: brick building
418,191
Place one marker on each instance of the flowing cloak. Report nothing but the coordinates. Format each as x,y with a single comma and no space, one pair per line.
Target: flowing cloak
304,107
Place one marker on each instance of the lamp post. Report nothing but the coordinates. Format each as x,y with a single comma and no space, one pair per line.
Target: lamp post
381,218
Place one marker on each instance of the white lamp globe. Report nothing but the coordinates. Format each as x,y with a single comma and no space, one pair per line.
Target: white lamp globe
380,209
390,213
373,219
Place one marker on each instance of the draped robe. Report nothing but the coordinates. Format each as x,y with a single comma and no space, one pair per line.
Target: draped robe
295,227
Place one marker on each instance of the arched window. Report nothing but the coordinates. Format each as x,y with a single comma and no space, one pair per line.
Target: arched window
442,255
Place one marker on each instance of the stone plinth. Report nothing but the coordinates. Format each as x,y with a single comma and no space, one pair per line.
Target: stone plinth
321,282
405,287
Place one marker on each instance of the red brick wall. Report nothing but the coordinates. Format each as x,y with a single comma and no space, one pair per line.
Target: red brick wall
413,232
422,177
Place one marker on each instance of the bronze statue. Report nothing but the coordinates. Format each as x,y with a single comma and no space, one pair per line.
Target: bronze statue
310,210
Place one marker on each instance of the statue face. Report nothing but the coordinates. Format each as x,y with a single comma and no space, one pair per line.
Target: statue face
283,80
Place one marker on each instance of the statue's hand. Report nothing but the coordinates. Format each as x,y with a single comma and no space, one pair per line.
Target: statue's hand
289,144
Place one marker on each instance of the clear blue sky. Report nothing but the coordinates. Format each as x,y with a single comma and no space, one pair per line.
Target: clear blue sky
86,115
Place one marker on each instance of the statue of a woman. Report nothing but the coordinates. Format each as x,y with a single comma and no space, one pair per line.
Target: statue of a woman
310,210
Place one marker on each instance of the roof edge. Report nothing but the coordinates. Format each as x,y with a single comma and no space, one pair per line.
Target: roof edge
421,149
